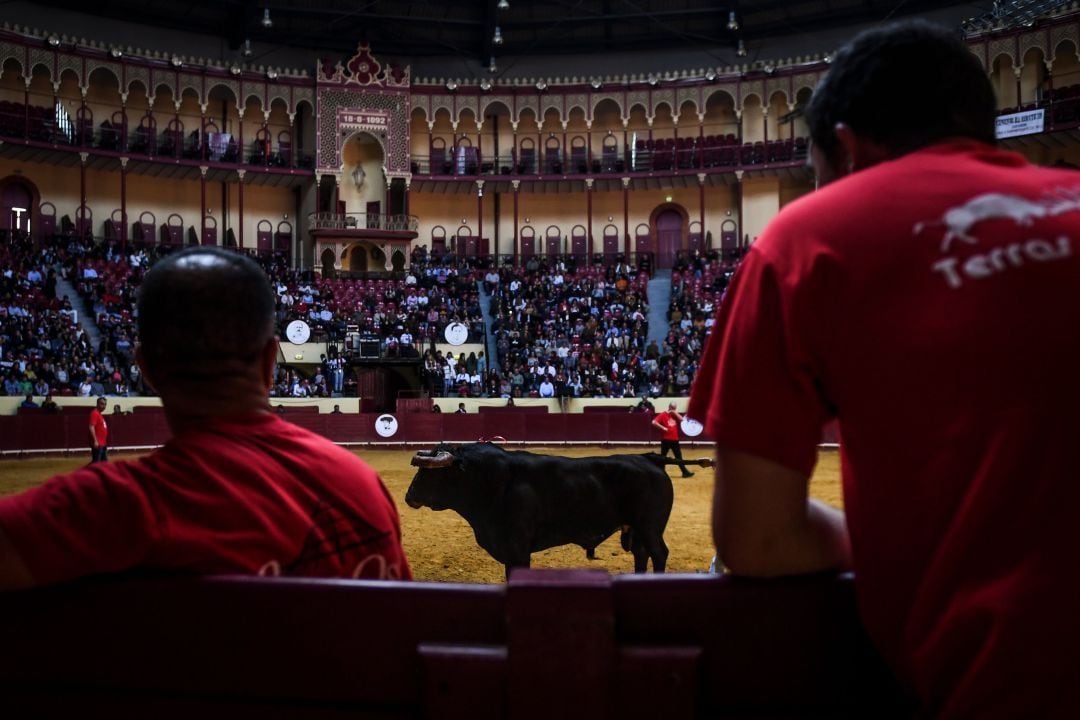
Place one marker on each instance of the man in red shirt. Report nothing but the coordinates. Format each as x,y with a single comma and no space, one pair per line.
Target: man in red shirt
237,489
668,423
928,298
99,433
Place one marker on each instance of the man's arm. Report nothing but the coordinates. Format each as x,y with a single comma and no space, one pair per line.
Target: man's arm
93,435
13,572
765,525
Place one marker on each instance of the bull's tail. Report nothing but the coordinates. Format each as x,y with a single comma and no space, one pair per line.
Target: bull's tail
626,538
661,460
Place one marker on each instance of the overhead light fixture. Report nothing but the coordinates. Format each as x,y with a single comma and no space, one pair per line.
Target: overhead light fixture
503,5
266,21
710,75
485,84
497,37
271,74
653,80
235,70
247,51
492,67
770,68
176,61
541,86
451,86
741,50
596,84
54,41
116,53
732,22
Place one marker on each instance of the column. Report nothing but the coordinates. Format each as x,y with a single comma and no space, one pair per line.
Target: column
240,207
765,122
202,203
588,218
739,207
26,109
479,212
81,213
701,140
240,135
516,184
123,205
405,196
701,204
334,197
626,217
1018,71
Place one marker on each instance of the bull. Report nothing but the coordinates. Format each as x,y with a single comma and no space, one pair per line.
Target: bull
518,503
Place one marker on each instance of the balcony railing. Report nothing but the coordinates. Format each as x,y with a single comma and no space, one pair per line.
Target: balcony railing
362,221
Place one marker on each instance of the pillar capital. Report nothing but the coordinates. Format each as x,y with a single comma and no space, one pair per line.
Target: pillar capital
589,183
203,169
83,157
625,183
515,184
701,179
240,174
124,162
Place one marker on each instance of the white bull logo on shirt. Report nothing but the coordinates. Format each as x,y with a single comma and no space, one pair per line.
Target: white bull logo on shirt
958,221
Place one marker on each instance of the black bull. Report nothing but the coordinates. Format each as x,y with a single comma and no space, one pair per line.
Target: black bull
519,503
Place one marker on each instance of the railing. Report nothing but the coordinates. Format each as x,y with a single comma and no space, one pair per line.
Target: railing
362,221
38,124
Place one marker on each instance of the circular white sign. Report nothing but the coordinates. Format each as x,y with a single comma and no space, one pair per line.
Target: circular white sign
297,332
456,333
386,426
690,427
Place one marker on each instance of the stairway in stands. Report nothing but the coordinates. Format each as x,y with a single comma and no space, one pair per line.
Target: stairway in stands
489,338
87,320
659,298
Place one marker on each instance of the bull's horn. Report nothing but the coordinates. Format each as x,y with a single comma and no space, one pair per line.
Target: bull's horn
433,460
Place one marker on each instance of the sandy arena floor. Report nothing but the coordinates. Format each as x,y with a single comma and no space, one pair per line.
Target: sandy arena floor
441,547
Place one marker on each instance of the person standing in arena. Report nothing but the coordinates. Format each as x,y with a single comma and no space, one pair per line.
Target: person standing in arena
99,432
236,489
668,424
927,298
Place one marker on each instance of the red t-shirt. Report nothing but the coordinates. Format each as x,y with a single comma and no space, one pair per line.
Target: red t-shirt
100,426
932,305
247,495
671,425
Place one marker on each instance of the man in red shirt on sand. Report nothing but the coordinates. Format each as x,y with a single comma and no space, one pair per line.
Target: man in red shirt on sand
668,423
99,432
928,298
236,489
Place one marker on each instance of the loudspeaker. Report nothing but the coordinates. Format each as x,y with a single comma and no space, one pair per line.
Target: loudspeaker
369,349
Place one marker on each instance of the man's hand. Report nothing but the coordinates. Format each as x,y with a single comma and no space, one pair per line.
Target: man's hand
765,525
13,572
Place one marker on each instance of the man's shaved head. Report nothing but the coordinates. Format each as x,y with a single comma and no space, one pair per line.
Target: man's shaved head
204,312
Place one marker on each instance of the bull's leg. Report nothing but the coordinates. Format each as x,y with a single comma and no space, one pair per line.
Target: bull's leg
658,551
519,562
641,554
590,553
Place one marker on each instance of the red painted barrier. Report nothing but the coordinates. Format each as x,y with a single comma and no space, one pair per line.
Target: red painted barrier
550,643
68,431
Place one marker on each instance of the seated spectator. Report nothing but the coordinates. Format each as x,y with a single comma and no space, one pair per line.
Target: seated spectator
50,406
209,347
28,402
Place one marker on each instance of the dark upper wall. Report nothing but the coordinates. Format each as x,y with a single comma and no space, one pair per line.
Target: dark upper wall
173,41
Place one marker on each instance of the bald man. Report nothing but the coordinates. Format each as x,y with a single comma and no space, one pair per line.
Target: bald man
236,489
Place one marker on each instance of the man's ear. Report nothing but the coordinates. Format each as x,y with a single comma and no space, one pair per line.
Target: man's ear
140,360
860,151
268,361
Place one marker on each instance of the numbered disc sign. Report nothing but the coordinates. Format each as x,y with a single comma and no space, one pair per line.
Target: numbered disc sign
298,332
386,426
456,333
691,428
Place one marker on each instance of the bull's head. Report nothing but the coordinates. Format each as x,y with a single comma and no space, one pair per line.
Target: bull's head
431,486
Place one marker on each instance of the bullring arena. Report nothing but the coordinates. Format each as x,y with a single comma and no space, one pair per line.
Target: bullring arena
511,219
441,546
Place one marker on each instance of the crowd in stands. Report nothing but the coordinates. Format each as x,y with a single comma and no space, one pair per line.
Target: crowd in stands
558,330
